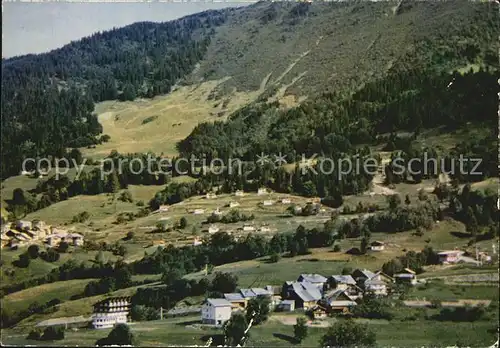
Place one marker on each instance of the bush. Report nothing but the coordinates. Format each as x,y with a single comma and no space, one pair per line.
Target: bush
300,329
81,217
33,251
274,258
63,247
336,248
35,334
51,255
53,333
348,333
126,196
120,335
23,261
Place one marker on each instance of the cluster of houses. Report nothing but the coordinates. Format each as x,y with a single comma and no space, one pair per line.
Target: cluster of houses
23,232
313,293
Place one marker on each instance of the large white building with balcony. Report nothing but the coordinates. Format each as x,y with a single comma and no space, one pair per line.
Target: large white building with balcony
111,311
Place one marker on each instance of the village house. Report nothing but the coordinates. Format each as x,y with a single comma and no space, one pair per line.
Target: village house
163,208
39,225
198,211
210,195
23,225
306,295
450,256
248,228
238,302
265,228
286,201
318,312
406,278
197,241
339,301
315,279
262,191
213,229
111,311
158,242
74,238
287,306
215,311
372,282
377,246
54,239
267,202
234,204
239,193
345,282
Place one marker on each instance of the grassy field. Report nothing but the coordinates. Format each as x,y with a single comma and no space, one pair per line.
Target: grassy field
41,294
158,124
181,331
38,267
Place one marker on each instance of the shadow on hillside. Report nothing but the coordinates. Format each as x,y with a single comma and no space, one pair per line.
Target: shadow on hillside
459,234
284,337
308,260
188,322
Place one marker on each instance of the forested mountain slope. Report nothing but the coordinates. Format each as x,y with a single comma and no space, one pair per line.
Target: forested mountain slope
318,47
47,99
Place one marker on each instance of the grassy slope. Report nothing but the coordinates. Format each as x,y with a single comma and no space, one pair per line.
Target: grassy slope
63,291
178,331
157,124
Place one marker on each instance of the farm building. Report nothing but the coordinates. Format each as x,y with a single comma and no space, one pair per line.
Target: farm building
248,228
216,311
23,225
239,193
262,191
234,204
267,202
198,211
377,246
238,302
265,228
306,295
286,201
210,195
450,256
406,278
163,208
315,279
318,312
111,311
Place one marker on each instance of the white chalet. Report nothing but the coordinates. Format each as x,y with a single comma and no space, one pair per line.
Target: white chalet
248,228
215,311
213,229
377,246
111,311
262,191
